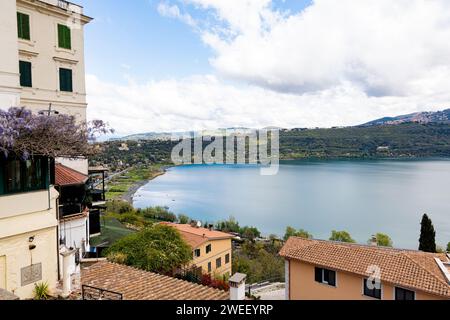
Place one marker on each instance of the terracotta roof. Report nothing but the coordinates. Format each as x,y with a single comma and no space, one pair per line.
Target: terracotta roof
407,268
65,176
197,236
136,284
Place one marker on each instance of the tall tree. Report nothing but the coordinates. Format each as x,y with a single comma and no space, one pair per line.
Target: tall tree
341,236
448,247
292,232
383,240
427,241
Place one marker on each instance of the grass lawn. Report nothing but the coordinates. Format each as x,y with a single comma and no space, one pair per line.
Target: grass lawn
112,230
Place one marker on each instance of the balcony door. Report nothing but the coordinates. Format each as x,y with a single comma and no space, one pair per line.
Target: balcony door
3,272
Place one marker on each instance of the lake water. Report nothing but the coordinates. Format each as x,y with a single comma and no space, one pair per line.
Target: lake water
362,197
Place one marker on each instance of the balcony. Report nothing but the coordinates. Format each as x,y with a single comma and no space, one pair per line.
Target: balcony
66,210
65,5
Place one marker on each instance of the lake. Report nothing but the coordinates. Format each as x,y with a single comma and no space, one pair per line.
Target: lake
362,197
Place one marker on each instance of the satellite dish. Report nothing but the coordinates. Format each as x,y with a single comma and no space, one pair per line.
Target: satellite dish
199,224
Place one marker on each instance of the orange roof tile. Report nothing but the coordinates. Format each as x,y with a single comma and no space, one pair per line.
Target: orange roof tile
195,237
135,284
65,176
407,268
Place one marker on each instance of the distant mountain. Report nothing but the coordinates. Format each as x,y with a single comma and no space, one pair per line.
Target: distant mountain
418,117
166,136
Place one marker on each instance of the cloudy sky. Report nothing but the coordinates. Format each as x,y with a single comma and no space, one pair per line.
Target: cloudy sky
175,65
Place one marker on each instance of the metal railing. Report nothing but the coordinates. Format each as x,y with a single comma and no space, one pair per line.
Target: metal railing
93,293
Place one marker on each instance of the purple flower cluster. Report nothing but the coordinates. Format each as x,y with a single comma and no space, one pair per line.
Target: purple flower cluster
23,134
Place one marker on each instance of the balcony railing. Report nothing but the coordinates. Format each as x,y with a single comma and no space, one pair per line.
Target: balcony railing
97,195
70,209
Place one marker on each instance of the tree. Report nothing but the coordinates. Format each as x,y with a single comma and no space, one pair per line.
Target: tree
24,134
250,233
427,240
292,232
448,247
383,240
341,236
158,249
183,219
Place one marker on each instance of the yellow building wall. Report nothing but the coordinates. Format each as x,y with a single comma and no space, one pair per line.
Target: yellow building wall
219,249
16,228
302,286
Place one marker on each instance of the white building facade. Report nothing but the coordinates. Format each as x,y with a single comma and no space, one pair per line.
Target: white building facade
42,69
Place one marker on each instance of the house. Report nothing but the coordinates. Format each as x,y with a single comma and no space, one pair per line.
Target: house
41,69
80,205
211,249
28,225
105,280
325,270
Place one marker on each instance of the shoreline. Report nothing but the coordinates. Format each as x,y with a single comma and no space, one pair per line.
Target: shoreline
129,195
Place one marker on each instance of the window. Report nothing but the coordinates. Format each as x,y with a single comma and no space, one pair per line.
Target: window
65,80
197,253
218,263
227,258
209,267
64,37
325,276
23,26
373,291
25,74
23,176
208,249
403,294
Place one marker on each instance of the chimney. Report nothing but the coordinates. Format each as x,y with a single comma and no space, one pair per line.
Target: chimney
237,286
374,241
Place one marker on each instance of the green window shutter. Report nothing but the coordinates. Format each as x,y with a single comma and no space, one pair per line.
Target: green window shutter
25,74
23,26
65,80
64,37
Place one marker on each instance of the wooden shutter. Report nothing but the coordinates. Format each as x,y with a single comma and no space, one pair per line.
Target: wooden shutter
23,26
65,80
318,275
25,74
64,37
332,278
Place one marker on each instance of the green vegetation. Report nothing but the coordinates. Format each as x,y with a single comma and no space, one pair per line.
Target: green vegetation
112,230
448,247
292,232
183,219
407,140
383,240
427,241
41,291
121,184
341,236
137,218
259,261
232,226
157,248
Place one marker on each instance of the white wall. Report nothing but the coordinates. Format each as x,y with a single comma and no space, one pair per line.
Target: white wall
9,58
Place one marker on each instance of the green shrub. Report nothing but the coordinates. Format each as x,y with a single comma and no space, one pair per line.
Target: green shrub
158,248
41,291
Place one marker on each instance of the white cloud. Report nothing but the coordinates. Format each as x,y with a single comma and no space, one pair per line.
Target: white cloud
205,102
335,63
173,11
386,47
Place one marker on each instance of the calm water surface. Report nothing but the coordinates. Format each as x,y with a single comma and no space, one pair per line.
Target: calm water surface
362,197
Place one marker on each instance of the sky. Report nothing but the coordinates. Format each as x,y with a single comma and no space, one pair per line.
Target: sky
177,65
